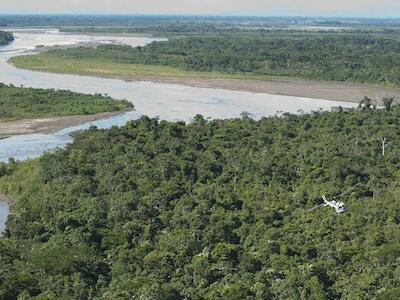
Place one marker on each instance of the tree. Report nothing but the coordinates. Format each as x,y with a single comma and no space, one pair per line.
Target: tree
387,102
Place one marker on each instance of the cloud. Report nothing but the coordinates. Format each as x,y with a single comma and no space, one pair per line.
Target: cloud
260,7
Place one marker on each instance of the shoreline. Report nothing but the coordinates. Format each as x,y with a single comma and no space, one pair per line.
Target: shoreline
49,125
6,200
321,90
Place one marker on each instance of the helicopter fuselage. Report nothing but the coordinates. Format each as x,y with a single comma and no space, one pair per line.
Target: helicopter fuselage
339,207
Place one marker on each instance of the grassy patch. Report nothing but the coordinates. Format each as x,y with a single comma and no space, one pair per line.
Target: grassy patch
16,178
56,63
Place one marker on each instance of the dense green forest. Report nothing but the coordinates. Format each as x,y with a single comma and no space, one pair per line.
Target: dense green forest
28,103
210,210
5,38
355,58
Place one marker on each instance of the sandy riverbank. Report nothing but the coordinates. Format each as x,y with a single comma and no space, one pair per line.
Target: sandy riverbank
5,199
335,91
48,125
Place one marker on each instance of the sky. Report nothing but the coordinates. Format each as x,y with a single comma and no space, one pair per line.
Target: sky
356,8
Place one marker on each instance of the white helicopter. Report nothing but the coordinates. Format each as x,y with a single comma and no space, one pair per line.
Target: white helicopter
339,207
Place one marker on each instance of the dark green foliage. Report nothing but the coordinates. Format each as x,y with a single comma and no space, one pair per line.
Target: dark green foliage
27,103
388,102
5,38
210,210
355,58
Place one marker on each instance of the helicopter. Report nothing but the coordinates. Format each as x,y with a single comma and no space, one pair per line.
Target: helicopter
339,207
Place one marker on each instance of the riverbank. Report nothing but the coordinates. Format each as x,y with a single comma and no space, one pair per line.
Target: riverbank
334,91
5,199
49,125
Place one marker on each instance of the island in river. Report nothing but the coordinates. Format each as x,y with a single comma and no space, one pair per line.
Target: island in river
29,110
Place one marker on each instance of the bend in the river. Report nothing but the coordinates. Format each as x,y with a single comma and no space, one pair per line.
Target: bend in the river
167,101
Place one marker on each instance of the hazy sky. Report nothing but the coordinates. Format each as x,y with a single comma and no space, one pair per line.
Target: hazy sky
384,8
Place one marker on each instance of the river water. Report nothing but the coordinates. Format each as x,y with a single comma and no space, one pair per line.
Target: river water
3,215
167,101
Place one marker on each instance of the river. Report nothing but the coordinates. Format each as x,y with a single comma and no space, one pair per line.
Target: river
166,101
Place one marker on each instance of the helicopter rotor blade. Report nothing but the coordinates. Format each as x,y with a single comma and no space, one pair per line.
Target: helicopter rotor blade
347,191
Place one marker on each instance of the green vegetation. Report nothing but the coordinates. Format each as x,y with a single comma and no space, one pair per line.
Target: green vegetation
210,210
338,57
28,103
52,62
5,38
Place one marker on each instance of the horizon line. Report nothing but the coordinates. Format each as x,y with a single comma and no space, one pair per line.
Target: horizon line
197,15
